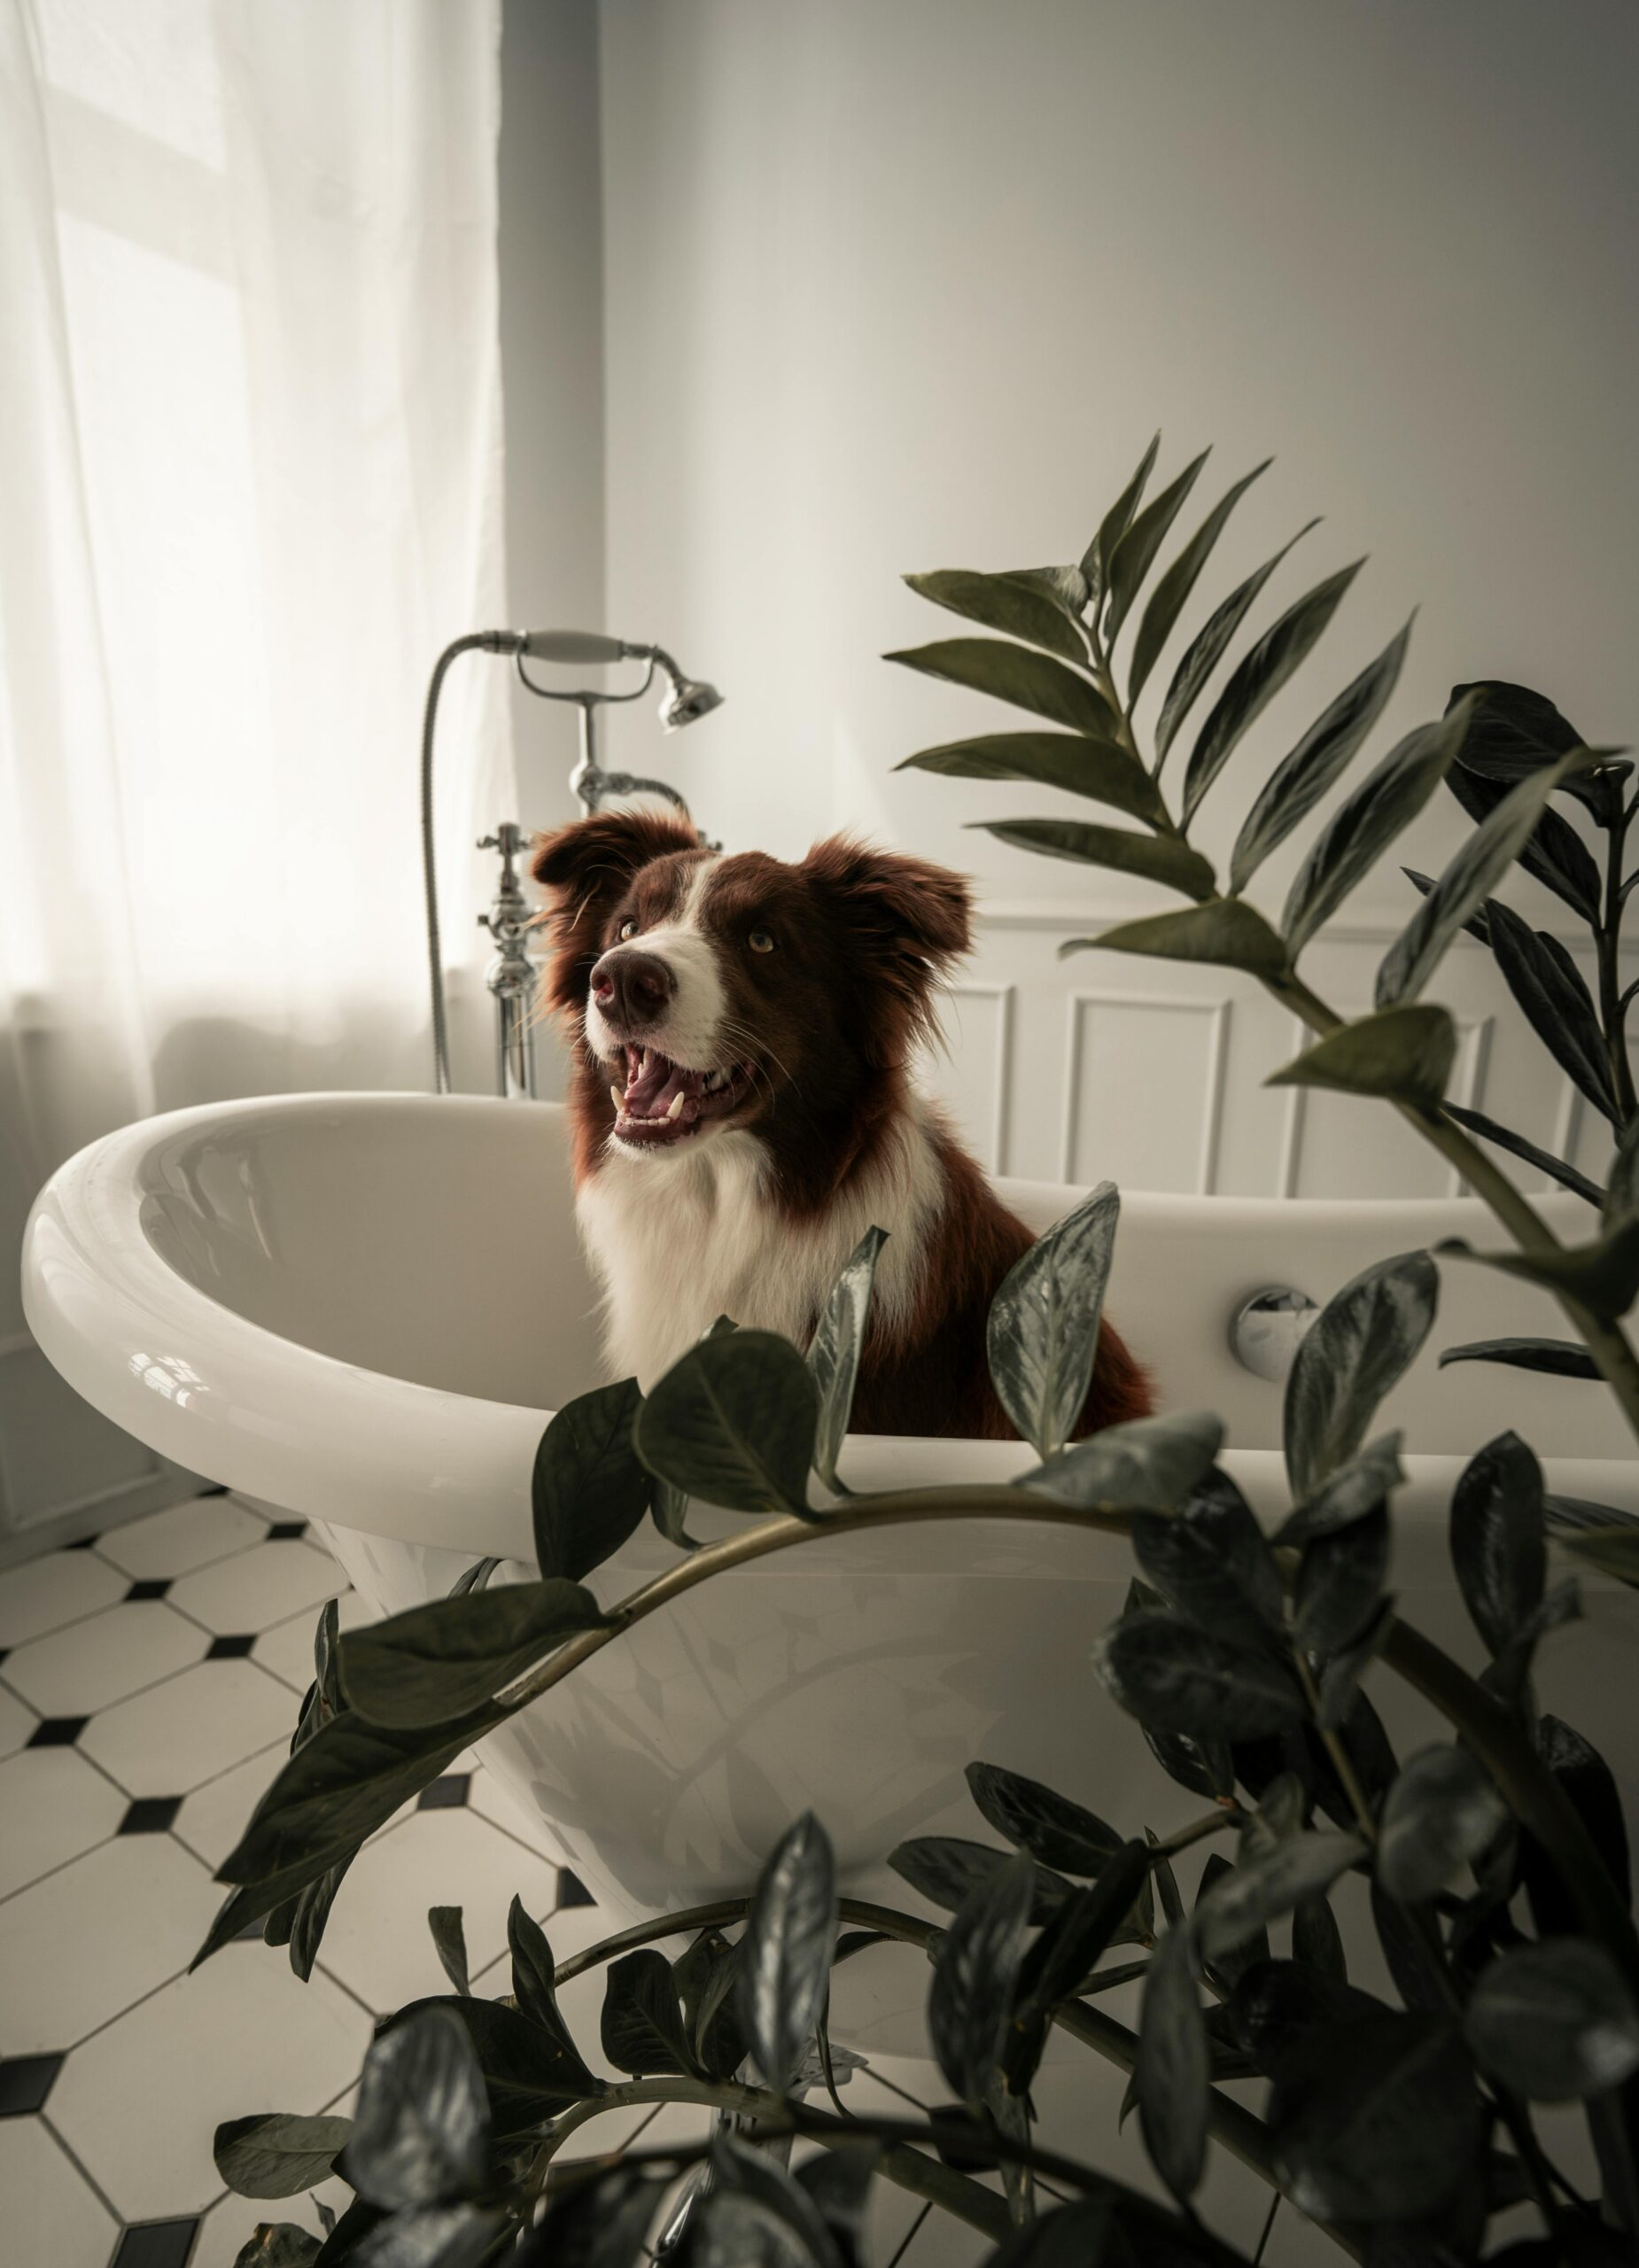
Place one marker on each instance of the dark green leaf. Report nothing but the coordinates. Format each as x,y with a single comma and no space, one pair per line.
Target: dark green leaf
1171,2072
1361,829
1135,554
1555,2021
975,1972
1357,1351
277,2154
1516,1146
1157,857
1050,1827
1316,1941
947,1870
1347,1666
1209,645
534,1989
1589,1785
1499,1547
1280,2004
1403,1054
1375,2120
1234,1960
1562,1358
1318,761
1007,603
1042,1333
1604,1275
835,1349
421,2131
1150,1461
734,1422
1246,1898
1549,987
1339,1582
298,1922
754,2215
599,2220
474,1578
1014,674
1277,655
1349,1492
1553,853
1226,934
333,1792
530,2074
1100,770
839,2181
1468,880
1096,559
641,2026
1205,1767
1171,594
706,1978
1211,1561
589,1491
1165,1880
436,2236
1059,1964
785,1963
1177,1679
668,1508
1441,1814
449,1940
1516,732
435,1663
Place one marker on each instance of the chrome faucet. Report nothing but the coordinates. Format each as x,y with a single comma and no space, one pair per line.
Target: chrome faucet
514,973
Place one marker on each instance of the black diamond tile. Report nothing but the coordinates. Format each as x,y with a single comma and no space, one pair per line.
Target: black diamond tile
448,1794
25,2081
157,2244
149,1815
58,1732
83,1543
231,1650
150,1586
572,1891
220,1489
4,1650
286,1531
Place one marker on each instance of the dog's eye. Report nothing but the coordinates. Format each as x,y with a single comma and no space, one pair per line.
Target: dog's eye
761,941
627,929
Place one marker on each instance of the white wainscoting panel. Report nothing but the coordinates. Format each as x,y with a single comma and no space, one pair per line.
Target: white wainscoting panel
972,1074
1165,1136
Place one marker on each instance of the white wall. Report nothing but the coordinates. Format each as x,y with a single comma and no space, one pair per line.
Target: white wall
906,285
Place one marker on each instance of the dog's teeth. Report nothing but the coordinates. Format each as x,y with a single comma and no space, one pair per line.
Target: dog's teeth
616,1097
675,1105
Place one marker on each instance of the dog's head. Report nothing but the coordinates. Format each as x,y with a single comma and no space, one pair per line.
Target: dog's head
720,992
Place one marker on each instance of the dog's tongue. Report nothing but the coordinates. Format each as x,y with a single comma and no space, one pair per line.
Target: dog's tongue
653,1084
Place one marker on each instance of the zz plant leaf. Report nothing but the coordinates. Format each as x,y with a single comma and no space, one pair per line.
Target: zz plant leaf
1050,1827
590,1490
1439,1815
276,2155
432,1664
1404,1054
1100,770
785,1963
1042,1334
975,1974
1207,648
1158,857
835,1350
421,2132
1135,554
1357,1349
735,1422
1555,2021
1004,603
1211,1560
1171,594
1022,679
1176,1678
1171,2072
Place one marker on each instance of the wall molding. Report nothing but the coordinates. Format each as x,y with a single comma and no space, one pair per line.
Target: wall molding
1216,1010
1001,1069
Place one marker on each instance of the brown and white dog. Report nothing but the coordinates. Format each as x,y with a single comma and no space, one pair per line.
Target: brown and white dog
744,1111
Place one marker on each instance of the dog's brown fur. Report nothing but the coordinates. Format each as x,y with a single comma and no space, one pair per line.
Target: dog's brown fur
830,1023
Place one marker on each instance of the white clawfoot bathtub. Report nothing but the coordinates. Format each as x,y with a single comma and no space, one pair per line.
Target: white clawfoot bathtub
361,1308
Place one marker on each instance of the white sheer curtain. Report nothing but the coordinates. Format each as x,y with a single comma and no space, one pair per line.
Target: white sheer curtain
250,455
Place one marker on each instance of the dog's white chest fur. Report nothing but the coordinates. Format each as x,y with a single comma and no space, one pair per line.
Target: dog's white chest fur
678,1241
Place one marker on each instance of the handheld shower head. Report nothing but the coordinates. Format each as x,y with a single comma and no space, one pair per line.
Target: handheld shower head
686,698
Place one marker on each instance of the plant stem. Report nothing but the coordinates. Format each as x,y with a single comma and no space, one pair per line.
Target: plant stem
782,1535
924,2177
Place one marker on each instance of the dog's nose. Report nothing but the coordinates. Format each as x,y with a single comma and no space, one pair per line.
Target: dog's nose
633,988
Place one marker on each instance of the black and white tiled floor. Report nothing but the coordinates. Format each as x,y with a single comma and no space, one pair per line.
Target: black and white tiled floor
149,1683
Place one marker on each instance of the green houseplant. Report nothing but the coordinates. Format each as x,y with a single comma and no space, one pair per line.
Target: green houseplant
1494,1862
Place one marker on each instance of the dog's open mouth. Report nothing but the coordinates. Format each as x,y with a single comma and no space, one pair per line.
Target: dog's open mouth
666,1102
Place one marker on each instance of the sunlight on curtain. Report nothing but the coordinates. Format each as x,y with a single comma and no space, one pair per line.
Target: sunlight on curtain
249,442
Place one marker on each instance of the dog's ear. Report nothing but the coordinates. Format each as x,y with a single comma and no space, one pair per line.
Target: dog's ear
587,865
904,921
